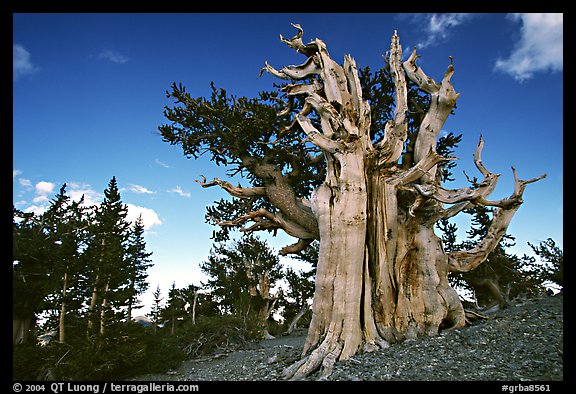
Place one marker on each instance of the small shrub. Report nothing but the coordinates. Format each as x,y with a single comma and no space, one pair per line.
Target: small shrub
125,350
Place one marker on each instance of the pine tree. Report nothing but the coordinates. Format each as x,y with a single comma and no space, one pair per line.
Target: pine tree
67,225
175,308
329,158
106,251
72,263
300,291
156,308
47,269
30,268
552,262
137,263
242,277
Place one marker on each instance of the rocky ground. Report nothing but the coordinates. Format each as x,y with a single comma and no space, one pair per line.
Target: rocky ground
520,343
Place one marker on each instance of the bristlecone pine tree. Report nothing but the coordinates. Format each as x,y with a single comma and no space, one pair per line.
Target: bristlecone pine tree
243,276
382,271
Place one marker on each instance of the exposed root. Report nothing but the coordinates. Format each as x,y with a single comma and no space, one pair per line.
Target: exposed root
324,356
330,359
472,317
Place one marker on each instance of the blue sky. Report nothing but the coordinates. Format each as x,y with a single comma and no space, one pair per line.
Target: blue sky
89,92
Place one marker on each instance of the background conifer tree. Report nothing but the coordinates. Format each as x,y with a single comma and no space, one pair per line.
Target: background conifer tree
137,262
242,277
106,258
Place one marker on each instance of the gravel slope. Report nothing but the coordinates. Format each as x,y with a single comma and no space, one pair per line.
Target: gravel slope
522,343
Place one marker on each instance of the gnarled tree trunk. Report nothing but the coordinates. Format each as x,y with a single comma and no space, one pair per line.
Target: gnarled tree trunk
262,298
382,273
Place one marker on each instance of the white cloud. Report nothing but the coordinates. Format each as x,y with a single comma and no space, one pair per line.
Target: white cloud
36,209
437,27
43,188
15,173
77,190
178,190
40,199
149,216
91,198
21,62
540,47
139,189
113,56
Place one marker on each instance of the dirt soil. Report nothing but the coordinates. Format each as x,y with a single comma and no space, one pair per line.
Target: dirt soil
521,343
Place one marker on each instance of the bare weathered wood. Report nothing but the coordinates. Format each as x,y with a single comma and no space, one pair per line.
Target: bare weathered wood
305,308
382,273
236,191
466,260
391,146
259,287
62,318
442,101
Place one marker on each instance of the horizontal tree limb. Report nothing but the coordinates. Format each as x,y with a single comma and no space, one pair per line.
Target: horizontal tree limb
266,220
296,247
236,191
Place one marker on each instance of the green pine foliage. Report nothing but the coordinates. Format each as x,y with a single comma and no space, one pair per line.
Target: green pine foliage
124,350
77,271
551,267
504,276
240,275
137,262
300,291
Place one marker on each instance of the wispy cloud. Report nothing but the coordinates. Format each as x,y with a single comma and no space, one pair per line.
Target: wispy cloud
539,49
113,56
21,62
436,28
40,199
139,189
36,209
25,183
161,163
178,190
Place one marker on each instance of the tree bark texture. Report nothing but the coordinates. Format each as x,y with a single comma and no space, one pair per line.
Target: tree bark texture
382,273
263,300
104,307
194,302
62,318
